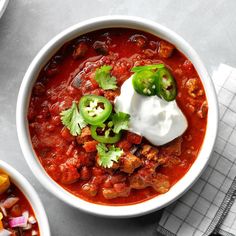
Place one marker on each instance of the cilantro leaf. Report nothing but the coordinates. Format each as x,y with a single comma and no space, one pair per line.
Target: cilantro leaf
106,156
120,121
148,67
72,119
104,79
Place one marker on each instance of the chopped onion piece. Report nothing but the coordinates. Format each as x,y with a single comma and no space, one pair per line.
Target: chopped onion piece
3,210
5,232
32,220
26,214
28,227
20,221
34,232
10,202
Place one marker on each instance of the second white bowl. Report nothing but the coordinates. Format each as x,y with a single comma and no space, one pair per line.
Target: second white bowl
25,187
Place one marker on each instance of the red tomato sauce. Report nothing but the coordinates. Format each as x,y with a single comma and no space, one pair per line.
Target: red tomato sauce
69,75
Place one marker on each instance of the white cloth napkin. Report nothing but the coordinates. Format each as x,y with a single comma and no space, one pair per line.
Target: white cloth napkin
209,207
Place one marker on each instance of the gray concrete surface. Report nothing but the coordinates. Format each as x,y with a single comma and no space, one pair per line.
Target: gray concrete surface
209,26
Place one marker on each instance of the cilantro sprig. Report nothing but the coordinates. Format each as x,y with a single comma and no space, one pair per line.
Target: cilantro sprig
104,78
72,119
108,155
120,122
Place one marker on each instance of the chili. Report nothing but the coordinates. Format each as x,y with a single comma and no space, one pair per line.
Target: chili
73,161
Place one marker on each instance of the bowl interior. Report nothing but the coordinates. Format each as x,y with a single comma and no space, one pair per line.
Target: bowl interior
111,22
30,194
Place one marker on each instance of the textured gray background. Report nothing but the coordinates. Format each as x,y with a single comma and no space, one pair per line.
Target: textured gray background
209,26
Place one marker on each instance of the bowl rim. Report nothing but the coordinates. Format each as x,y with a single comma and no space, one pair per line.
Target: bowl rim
155,203
3,6
29,192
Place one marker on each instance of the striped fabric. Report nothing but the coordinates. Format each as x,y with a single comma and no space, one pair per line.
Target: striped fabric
209,207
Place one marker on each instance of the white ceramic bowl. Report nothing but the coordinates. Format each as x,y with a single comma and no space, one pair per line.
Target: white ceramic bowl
3,6
30,194
23,100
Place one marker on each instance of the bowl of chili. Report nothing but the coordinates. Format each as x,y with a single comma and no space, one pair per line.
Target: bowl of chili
70,166
21,210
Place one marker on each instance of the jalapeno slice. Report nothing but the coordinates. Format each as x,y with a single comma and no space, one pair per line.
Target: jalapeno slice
107,137
166,85
94,109
147,67
144,82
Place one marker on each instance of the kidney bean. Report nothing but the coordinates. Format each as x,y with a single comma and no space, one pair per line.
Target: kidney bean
139,40
80,50
100,47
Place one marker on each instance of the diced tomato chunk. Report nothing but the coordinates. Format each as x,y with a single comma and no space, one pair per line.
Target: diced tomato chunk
90,146
97,171
94,86
134,138
188,66
124,145
65,133
16,211
98,91
110,95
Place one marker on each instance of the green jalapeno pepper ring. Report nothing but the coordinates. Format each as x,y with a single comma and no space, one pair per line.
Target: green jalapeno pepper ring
104,138
166,85
144,82
148,82
94,109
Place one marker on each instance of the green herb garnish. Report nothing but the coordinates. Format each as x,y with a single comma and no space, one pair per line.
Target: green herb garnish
104,78
108,155
120,121
72,119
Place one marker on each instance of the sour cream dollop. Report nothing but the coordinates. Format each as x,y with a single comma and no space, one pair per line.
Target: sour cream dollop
155,119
